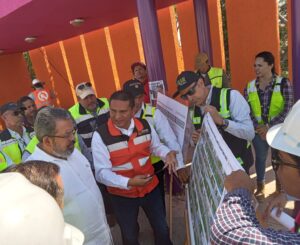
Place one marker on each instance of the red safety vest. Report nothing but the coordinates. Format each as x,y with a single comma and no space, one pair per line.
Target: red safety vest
42,98
130,156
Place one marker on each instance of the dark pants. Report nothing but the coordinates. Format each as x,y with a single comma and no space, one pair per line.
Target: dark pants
161,184
126,211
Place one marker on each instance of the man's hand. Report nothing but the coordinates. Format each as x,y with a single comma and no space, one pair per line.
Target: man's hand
196,136
184,174
238,179
277,202
214,114
139,180
171,162
262,130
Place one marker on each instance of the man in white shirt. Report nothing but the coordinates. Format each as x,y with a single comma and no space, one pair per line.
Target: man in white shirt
162,127
121,151
228,108
83,204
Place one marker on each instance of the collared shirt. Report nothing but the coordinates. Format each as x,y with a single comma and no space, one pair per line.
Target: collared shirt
83,204
240,124
103,165
236,223
265,98
164,131
22,140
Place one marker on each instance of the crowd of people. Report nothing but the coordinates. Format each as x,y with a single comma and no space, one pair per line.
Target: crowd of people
104,158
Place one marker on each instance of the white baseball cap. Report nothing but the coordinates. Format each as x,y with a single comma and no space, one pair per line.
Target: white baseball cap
286,136
29,215
35,81
84,89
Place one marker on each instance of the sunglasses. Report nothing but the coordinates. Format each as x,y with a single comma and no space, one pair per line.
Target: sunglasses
84,85
276,162
191,91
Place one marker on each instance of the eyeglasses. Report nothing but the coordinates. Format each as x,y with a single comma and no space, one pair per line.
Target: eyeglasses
84,85
276,162
191,91
66,136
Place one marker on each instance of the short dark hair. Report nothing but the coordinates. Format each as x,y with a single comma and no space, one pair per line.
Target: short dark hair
267,57
123,96
42,174
135,64
21,101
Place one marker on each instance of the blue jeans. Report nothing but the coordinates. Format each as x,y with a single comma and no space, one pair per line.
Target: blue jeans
126,212
261,148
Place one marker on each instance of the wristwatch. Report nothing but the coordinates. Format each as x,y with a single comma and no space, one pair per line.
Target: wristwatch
225,124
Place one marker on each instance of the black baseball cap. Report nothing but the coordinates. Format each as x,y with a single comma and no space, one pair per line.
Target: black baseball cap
134,87
10,106
184,80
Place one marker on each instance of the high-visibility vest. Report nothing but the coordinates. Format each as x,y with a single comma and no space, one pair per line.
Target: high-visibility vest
42,98
130,156
10,145
215,75
276,104
86,122
148,114
5,161
34,142
220,99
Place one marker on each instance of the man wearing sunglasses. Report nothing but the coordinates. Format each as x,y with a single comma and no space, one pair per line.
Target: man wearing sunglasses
15,137
228,109
235,221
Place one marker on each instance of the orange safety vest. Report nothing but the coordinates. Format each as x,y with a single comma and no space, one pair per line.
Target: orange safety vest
130,156
42,98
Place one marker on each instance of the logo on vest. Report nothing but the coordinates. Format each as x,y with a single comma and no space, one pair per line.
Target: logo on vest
144,131
43,96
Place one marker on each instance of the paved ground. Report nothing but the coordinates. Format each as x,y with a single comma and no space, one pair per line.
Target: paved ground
179,227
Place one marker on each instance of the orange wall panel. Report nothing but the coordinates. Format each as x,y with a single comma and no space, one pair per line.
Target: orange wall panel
252,28
100,63
76,60
125,48
168,48
216,33
39,65
188,33
14,77
61,84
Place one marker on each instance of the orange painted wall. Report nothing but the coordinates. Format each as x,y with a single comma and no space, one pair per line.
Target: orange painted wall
125,48
168,48
76,60
252,27
100,62
14,77
188,33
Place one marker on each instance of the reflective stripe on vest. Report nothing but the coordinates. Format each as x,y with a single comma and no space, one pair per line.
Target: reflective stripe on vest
149,111
3,163
276,104
13,150
224,108
216,76
130,157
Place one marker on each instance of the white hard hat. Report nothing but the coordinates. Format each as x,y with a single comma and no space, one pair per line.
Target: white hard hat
29,215
286,136
35,81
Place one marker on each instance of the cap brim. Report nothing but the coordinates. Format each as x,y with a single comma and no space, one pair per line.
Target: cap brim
73,235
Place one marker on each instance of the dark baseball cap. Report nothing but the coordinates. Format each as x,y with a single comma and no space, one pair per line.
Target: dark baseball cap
10,106
184,80
134,87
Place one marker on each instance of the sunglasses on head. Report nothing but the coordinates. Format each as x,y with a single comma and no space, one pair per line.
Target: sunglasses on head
84,85
190,92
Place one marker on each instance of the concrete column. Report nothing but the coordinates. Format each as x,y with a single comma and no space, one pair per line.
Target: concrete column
151,40
295,9
202,24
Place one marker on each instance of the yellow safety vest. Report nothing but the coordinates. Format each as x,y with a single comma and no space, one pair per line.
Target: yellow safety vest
276,104
216,76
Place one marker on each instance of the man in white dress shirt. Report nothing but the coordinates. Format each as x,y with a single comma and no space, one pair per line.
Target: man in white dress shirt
83,204
121,151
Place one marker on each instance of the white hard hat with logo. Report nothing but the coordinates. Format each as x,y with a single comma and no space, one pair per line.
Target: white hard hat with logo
286,136
29,215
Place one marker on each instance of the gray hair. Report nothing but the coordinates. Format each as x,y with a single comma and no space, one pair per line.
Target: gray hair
45,122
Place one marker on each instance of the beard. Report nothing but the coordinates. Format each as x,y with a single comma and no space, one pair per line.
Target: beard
66,153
